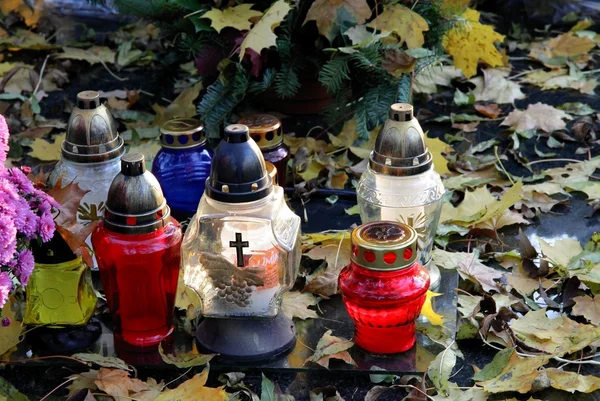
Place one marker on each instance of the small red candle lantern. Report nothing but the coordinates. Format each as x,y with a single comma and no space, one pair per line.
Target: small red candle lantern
137,245
384,287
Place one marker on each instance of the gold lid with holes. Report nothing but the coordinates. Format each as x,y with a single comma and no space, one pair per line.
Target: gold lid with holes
400,149
182,133
265,129
384,245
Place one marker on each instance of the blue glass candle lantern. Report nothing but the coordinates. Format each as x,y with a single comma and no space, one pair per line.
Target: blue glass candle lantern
182,165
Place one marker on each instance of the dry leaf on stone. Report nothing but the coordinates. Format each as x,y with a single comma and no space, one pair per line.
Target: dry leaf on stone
456,393
479,273
508,218
104,361
537,116
466,127
46,151
237,17
571,381
494,87
518,374
261,36
153,391
93,55
183,105
81,381
331,347
558,336
402,22
336,252
520,281
587,307
489,110
327,15
184,360
295,305
194,389
440,368
472,41
561,251
428,79
10,334
438,148
450,260
555,51
118,384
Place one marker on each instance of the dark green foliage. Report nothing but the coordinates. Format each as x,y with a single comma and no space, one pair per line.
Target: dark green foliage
260,86
404,89
287,82
335,72
216,106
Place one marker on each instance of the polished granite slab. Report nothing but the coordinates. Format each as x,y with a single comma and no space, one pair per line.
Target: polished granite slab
333,316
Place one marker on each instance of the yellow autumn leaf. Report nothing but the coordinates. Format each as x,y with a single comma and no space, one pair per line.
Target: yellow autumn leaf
93,55
237,17
11,333
46,151
261,36
437,147
402,21
193,389
30,14
312,171
471,42
427,310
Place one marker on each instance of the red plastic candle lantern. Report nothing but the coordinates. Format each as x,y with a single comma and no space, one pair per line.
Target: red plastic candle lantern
137,246
384,287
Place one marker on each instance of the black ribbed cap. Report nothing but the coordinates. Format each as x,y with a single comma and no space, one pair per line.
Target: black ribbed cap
238,172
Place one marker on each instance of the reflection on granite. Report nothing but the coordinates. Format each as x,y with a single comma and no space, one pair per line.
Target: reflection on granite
333,317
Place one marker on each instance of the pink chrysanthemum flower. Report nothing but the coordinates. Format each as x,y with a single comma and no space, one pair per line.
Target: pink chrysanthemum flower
24,267
4,134
5,287
46,227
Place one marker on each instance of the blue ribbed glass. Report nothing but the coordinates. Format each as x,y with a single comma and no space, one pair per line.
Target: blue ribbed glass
182,174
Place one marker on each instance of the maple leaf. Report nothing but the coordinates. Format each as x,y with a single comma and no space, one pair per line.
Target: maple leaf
118,384
587,307
68,196
440,368
403,22
93,55
471,42
479,273
81,381
556,51
336,252
104,361
517,374
537,116
561,251
193,389
397,62
494,87
330,15
237,17
508,218
558,336
438,148
428,78
261,36
153,391
295,304
331,347
571,381
46,151
10,334
185,359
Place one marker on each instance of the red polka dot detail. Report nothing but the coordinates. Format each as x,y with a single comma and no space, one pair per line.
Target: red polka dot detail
369,256
408,253
389,258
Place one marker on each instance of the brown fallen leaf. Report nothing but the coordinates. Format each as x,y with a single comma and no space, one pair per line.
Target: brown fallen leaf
537,116
477,272
517,375
558,336
194,389
490,110
331,347
295,305
571,381
466,127
118,383
336,252
587,307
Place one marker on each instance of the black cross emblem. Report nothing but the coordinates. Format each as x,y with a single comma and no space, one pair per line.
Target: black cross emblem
239,246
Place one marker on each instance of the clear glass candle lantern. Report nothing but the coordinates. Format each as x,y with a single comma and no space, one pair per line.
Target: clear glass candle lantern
240,253
384,287
266,131
400,183
90,155
182,165
138,249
